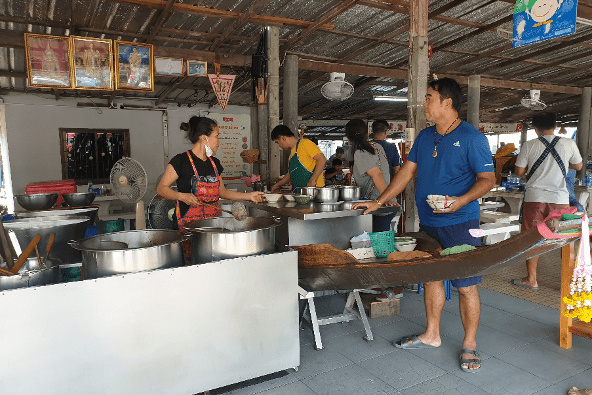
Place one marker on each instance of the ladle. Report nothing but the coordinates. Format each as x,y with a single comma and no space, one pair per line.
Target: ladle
239,211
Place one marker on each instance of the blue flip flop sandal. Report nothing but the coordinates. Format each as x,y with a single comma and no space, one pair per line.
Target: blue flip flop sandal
464,361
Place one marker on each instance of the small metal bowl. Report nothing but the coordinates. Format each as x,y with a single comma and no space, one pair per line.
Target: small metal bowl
310,191
349,193
327,195
37,201
79,199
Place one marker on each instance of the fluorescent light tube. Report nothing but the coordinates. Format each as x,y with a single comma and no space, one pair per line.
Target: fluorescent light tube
390,98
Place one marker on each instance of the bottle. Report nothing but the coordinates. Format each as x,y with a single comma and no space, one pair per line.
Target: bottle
90,186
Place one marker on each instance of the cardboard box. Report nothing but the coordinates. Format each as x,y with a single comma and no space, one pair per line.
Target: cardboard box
376,309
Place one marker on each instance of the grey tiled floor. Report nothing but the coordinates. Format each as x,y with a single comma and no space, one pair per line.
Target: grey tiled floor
518,342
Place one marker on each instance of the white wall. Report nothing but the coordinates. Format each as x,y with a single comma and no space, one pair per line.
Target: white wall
32,128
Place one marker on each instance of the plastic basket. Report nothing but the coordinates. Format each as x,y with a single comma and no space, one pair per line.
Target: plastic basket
383,243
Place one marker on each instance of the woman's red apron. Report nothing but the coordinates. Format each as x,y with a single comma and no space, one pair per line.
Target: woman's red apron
207,192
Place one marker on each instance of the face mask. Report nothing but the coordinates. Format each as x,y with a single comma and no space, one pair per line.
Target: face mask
209,151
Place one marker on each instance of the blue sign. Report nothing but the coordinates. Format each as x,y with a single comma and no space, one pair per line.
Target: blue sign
540,20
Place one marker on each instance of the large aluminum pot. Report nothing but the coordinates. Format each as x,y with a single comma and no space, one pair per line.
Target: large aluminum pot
90,212
212,241
30,276
349,193
146,250
327,195
310,191
66,227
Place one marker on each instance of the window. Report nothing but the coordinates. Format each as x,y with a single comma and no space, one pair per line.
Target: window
89,154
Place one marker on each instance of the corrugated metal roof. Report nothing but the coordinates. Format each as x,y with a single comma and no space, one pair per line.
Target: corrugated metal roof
358,35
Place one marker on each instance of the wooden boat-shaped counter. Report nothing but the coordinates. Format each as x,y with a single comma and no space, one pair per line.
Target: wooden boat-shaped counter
333,269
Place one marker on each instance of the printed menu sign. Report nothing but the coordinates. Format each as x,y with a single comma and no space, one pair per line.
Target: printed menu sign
235,136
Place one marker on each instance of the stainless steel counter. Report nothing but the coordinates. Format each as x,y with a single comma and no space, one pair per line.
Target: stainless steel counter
316,223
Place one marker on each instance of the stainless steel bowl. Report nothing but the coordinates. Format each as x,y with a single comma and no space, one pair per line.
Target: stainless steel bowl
79,199
349,193
310,191
37,201
327,195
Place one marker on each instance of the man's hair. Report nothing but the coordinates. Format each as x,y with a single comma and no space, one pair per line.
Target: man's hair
380,126
448,88
544,121
339,150
281,130
337,162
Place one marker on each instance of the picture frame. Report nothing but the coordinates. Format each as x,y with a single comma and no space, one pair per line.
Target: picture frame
134,69
169,67
48,64
197,68
91,63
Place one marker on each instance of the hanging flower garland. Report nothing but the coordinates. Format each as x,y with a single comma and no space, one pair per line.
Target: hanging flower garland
579,302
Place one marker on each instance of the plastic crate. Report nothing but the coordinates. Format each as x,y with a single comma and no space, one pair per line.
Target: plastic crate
383,243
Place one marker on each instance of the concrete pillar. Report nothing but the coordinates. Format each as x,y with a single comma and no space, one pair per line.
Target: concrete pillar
582,138
290,102
262,116
255,136
473,99
418,72
273,97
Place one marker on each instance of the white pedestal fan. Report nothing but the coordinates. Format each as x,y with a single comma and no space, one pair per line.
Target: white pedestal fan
129,183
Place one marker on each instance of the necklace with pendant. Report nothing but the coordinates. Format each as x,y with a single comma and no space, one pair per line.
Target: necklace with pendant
435,153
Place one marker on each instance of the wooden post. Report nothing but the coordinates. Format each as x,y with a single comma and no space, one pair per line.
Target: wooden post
418,77
290,102
273,98
567,266
255,136
473,99
584,129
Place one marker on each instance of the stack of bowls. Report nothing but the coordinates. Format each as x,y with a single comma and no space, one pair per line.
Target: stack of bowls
405,244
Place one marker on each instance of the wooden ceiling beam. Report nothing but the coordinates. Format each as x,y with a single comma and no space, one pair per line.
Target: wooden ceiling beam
161,20
254,8
328,17
212,12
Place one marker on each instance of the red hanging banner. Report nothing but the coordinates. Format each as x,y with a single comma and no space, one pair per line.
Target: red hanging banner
222,85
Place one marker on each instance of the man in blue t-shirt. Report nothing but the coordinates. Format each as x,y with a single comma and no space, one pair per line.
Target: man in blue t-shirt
451,158
380,130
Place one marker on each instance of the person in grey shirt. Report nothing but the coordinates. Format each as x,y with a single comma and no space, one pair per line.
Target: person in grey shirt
545,162
371,169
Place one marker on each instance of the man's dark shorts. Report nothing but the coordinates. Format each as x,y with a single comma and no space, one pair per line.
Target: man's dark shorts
455,235
533,213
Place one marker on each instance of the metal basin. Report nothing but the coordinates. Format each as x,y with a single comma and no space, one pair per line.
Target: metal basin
349,193
79,199
148,249
66,227
37,201
310,191
90,212
29,276
211,241
327,195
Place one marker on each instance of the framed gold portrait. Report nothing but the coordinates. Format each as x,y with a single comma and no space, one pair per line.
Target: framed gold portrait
197,68
47,61
91,63
169,67
134,70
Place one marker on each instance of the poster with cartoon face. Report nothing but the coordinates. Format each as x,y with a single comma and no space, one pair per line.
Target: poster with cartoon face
539,20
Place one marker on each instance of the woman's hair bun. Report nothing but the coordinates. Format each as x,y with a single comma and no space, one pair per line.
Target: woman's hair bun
184,126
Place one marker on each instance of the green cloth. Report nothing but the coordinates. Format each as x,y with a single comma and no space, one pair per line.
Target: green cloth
457,249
